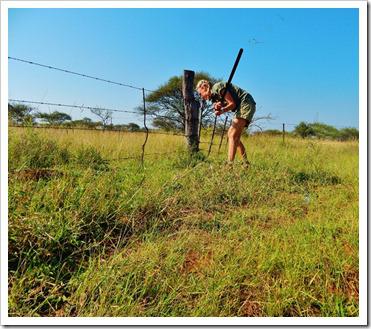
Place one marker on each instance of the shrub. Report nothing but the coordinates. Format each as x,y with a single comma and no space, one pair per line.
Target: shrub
32,151
89,157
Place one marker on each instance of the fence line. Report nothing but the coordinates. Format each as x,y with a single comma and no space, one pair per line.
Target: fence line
72,106
144,113
152,132
88,107
76,73
96,108
96,129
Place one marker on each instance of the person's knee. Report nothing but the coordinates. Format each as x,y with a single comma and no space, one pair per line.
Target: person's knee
234,135
230,133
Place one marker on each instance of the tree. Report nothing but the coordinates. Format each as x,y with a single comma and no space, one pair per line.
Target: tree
272,132
166,105
104,115
165,124
20,114
84,122
322,130
54,118
303,130
133,127
348,134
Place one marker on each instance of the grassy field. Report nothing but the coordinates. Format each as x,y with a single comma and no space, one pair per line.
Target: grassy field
100,236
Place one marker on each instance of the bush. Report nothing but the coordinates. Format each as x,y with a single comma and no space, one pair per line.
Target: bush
31,151
89,157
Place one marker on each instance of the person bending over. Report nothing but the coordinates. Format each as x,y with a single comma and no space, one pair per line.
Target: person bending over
236,100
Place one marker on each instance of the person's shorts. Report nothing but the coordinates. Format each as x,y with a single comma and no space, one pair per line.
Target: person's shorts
246,111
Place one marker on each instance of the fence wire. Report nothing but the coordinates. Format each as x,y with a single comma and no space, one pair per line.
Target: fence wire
76,73
145,113
71,106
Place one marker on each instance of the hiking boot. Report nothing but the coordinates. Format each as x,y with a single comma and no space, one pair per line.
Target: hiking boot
246,164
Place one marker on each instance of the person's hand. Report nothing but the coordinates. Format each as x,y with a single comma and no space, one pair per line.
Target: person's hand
218,112
218,106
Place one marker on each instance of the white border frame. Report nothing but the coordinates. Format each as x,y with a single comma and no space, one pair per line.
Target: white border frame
363,285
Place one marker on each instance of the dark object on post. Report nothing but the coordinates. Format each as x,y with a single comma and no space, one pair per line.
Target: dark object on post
192,109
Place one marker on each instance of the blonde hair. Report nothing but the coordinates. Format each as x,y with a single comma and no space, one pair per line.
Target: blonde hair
202,82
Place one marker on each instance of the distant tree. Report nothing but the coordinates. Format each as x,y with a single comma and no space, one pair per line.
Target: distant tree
165,124
85,122
273,132
54,118
322,130
303,130
104,115
20,114
166,104
133,127
348,134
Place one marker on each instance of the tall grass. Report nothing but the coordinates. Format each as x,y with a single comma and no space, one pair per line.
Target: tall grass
183,236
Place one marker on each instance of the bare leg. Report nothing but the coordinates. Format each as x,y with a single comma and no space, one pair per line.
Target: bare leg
234,135
242,151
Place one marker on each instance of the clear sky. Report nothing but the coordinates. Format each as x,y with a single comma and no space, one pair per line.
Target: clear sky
299,64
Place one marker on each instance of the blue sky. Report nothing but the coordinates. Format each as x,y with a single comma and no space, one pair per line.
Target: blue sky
299,64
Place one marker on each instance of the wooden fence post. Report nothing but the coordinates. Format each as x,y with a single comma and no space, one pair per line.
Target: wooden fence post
192,109
283,133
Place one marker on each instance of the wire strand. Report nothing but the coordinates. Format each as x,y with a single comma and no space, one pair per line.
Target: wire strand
76,73
72,106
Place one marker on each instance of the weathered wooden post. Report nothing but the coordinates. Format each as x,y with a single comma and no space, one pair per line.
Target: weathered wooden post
192,109
283,133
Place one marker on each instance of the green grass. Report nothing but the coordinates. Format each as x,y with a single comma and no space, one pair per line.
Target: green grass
90,235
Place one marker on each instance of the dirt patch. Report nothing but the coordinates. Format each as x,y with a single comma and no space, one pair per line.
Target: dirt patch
36,174
195,262
348,249
291,311
351,284
250,307
348,286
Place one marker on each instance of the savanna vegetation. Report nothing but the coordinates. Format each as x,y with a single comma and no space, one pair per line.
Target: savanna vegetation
94,234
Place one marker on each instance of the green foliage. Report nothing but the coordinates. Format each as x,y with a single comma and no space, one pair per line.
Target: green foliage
324,131
186,160
89,157
54,118
166,103
348,134
20,114
31,151
133,127
270,132
304,130
84,123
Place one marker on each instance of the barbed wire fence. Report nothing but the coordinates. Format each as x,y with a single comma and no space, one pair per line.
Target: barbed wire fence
147,131
145,113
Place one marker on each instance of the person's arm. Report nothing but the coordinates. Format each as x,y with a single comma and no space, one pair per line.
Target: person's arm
229,104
